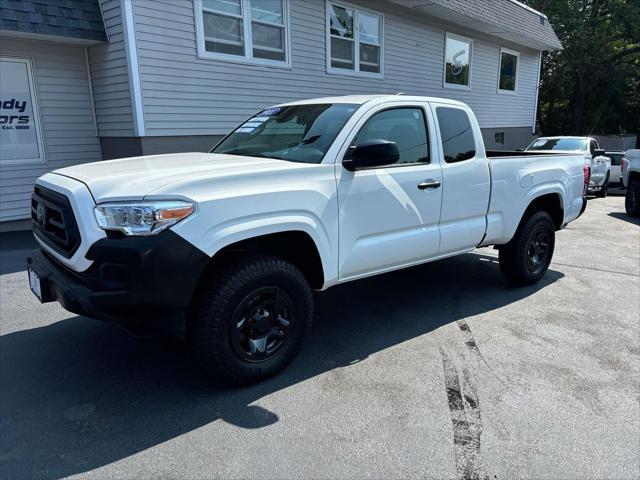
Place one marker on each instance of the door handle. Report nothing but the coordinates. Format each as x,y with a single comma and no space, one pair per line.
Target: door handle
429,184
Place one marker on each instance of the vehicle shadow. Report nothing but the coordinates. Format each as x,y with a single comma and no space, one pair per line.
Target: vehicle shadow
625,217
14,249
79,394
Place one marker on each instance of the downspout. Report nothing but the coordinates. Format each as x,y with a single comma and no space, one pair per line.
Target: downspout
93,105
535,107
133,66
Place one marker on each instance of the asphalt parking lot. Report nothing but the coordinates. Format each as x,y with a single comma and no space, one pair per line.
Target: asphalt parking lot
440,371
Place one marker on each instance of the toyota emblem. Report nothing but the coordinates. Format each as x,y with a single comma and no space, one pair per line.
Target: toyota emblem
41,215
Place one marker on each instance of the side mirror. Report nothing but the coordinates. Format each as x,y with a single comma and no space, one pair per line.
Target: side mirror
598,152
519,149
372,153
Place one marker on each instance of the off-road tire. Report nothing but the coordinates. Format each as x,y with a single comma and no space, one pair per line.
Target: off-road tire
210,318
514,257
632,198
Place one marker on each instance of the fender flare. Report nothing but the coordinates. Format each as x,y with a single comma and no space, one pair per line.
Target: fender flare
219,236
537,191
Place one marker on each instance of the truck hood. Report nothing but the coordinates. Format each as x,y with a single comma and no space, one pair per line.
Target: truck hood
138,177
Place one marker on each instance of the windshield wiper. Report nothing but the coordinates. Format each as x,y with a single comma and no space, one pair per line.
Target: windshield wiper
250,154
310,140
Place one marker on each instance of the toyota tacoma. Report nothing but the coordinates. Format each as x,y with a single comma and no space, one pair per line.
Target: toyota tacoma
303,196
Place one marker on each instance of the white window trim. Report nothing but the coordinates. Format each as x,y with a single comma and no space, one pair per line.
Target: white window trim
42,159
515,83
356,52
247,58
460,38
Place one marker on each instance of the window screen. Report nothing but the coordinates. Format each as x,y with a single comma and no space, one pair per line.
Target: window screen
355,39
458,142
228,24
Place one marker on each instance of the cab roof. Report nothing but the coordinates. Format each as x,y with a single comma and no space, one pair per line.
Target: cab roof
566,136
380,98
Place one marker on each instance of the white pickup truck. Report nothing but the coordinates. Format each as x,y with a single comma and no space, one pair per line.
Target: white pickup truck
594,157
301,196
630,179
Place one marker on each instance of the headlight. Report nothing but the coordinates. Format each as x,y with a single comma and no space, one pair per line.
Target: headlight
141,218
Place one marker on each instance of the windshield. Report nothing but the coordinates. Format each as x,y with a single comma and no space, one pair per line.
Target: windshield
565,144
298,133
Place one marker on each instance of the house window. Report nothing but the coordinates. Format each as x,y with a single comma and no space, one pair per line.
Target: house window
457,61
354,40
20,136
508,70
245,30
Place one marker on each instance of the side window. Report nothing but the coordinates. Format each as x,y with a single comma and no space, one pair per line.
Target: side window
406,126
593,147
458,142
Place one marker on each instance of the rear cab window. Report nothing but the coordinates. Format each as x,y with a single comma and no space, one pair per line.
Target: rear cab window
456,134
616,158
560,144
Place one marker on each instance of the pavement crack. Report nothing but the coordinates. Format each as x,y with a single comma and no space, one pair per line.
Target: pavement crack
604,270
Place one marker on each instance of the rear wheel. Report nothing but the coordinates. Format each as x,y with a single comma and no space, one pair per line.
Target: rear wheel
250,321
526,258
632,198
605,186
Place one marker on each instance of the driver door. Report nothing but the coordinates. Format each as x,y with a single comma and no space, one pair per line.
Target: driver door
388,218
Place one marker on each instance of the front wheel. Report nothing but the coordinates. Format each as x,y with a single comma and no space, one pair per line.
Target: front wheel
605,186
250,321
526,258
632,199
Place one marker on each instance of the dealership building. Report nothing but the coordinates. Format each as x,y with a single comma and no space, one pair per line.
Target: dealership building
90,80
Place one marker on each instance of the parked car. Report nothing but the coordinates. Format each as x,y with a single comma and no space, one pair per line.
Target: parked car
615,175
301,196
594,158
631,180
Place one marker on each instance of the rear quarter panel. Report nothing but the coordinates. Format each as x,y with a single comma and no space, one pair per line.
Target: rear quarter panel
518,181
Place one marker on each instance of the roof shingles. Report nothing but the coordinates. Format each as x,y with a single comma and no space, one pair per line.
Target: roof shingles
506,15
64,18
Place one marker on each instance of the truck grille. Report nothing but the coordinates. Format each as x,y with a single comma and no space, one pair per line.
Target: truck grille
54,222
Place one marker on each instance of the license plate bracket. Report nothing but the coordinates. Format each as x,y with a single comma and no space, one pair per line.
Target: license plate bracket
35,284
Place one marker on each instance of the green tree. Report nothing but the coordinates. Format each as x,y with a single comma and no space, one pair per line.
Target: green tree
593,85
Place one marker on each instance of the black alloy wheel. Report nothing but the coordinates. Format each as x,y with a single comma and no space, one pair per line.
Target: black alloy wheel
261,320
538,250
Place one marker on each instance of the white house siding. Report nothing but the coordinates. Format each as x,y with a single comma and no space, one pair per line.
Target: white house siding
185,95
110,77
66,118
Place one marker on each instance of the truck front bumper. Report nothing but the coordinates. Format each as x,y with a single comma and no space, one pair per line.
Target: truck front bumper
130,279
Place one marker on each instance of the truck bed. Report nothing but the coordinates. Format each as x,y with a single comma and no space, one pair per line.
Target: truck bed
516,177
